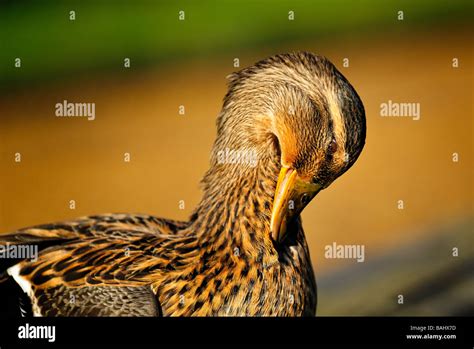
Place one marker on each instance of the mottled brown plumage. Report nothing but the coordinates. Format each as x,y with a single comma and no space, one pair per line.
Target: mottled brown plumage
243,251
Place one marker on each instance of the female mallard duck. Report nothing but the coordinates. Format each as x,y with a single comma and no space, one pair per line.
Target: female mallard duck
243,251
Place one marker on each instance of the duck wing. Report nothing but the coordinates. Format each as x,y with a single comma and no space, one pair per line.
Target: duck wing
98,265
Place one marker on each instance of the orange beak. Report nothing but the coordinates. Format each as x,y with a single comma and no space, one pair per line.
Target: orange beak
291,197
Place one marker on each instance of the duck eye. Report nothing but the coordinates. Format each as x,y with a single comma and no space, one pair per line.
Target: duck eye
332,146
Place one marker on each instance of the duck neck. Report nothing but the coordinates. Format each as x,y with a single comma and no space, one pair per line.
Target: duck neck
234,214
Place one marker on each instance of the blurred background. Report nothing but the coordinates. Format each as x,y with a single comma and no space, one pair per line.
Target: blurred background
176,63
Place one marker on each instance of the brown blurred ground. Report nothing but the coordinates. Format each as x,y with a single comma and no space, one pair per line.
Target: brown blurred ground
64,159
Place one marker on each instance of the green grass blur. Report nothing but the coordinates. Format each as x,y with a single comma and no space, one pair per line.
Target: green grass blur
104,32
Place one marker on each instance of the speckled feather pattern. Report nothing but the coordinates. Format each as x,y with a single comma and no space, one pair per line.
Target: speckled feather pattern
223,261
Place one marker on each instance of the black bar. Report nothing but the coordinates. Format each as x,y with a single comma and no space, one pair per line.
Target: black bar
319,332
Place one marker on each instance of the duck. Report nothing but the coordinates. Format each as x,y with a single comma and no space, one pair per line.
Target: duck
243,251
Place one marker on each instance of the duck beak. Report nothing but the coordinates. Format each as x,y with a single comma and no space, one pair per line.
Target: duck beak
291,197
